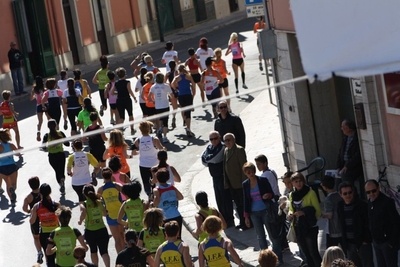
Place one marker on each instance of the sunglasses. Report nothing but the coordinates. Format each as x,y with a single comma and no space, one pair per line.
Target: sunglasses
222,107
213,138
347,193
227,140
373,191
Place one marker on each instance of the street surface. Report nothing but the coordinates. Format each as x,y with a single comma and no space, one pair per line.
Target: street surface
16,241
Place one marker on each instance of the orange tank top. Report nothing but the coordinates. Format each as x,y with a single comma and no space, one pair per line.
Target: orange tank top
219,66
117,151
146,90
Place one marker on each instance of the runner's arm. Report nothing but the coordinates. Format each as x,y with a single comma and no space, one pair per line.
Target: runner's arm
121,214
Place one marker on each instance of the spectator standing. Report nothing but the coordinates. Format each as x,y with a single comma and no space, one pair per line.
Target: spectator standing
384,221
334,234
262,165
305,210
349,164
353,218
213,159
233,160
256,193
229,123
14,57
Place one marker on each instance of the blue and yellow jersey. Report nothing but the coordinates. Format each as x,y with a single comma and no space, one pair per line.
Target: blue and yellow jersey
170,255
112,199
215,253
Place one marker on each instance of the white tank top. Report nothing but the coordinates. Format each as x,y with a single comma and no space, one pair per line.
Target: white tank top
81,169
147,152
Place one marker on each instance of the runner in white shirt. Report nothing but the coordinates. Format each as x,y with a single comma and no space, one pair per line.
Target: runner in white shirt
169,55
159,93
203,52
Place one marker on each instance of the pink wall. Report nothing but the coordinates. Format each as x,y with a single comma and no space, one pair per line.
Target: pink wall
280,15
57,27
8,33
85,21
122,16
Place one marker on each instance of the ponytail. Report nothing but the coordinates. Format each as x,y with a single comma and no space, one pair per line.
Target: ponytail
71,87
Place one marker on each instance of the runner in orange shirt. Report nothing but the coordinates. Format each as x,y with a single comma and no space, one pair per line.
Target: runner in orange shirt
259,26
220,66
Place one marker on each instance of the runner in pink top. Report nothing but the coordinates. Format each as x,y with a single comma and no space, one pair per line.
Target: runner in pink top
37,93
112,97
115,165
238,55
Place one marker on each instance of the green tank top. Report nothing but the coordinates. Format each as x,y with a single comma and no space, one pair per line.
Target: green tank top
65,240
153,241
134,212
55,148
102,78
94,215
208,212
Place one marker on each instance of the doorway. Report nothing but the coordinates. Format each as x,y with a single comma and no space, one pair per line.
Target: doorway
200,10
70,31
99,22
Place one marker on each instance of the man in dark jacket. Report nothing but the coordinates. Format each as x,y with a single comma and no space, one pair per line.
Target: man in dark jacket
349,164
14,58
213,159
229,123
353,217
384,222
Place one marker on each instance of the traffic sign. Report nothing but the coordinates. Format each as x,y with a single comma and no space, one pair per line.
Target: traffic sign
255,11
253,2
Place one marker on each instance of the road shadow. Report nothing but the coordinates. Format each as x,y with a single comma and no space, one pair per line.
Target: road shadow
15,218
191,140
206,117
247,98
67,202
4,204
171,146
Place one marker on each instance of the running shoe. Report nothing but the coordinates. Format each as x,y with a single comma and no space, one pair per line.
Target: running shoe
13,195
62,188
1,191
40,257
165,139
38,137
237,91
101,111
245,86
189,133
261,67
173,125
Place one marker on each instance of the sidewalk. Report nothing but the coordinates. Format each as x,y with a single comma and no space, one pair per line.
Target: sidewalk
263,136
176,36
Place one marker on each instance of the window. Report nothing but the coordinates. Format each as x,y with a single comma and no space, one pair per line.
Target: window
391,87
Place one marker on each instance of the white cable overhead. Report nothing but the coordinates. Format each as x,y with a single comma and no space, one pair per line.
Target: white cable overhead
136,122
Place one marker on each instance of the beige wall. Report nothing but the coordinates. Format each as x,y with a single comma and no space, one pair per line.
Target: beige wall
222,8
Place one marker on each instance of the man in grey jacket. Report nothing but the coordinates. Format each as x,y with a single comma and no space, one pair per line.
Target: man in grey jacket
213,159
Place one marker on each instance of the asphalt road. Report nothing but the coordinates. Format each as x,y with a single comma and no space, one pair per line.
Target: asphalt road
16,246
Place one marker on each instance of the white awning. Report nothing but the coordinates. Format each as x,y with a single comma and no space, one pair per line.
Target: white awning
348,38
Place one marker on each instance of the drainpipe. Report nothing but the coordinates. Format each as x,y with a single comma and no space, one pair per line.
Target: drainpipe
285,154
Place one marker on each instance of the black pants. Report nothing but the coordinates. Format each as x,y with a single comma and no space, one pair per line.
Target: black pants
55,113
57,162
50,259
223,198
72,115
307,241
237,196
145,173
362,257
102,99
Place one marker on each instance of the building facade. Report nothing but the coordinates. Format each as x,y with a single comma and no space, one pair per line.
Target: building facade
59,34
311,113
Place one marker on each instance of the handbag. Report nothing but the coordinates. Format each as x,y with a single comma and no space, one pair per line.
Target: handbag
272,212
291,235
